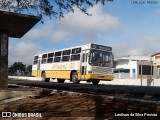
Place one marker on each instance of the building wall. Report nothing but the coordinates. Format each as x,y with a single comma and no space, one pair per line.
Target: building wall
156,60
132,63
156,63
133,69
122,64
126,64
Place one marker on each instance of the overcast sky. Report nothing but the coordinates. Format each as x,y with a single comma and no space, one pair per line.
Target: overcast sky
131,29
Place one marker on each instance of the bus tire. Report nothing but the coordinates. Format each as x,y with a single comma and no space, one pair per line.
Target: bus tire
44,79
95,82
60,80
89,80
74,78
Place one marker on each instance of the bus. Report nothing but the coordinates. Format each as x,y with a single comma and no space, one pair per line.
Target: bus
89,62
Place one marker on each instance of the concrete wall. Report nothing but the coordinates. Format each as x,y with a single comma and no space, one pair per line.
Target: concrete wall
135,82
122,64
25,78
126,64
133,65
156,59
156,63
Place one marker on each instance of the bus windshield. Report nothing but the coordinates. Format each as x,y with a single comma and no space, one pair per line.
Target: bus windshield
101,58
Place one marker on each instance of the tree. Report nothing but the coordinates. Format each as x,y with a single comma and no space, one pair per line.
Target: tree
17,66
29,69
50,8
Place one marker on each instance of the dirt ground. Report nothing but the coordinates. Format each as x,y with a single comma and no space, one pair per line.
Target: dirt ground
76,106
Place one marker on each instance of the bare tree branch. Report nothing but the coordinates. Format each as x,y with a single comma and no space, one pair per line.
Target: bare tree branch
49,8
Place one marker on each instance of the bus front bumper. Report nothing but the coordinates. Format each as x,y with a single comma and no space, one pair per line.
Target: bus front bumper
99,77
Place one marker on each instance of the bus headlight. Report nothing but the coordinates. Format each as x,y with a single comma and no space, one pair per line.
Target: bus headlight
89,71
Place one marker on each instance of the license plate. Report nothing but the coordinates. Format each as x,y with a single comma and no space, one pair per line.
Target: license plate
101,77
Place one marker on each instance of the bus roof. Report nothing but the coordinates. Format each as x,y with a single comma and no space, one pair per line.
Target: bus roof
89,45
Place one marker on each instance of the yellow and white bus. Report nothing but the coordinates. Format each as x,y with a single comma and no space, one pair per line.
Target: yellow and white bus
90,62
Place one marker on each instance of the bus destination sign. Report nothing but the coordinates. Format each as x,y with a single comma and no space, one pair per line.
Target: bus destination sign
101,47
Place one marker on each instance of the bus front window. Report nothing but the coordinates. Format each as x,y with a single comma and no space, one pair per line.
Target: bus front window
101,58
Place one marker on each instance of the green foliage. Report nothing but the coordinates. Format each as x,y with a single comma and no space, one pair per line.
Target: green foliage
29,69
50,8
19,66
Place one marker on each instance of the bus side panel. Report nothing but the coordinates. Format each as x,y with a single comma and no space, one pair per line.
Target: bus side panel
36,73
61,74
58,74
34,70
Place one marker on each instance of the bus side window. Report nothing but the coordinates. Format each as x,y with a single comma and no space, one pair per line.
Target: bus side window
49,60
44,61
75,57
66,52
76,50
66,55
44,58
35,60
58,53
65,58
50,57
36,57
57,59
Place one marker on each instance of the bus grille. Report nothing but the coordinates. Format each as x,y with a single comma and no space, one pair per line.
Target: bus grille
102,70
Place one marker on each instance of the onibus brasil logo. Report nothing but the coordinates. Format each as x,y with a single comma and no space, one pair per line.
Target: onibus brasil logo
13,114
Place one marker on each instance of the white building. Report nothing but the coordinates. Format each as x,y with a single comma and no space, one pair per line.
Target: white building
130,66
156,64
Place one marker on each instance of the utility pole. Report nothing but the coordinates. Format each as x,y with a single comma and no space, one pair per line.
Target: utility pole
141,74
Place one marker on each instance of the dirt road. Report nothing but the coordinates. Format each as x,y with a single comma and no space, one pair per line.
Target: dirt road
76,106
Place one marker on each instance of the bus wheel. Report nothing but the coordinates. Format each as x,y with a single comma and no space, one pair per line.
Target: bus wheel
44,79
61,80
74,78
89,81
95,82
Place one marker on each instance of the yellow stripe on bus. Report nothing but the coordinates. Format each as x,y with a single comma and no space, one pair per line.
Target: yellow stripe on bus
65,74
